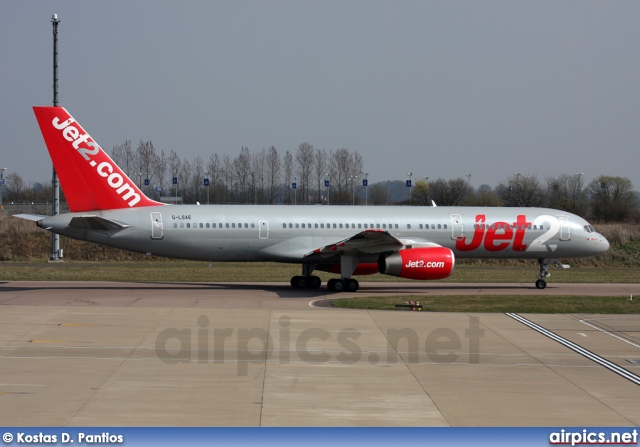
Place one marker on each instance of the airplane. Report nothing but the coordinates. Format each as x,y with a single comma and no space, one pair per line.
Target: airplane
420,243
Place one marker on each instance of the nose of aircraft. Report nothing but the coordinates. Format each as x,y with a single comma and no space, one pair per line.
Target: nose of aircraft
603,244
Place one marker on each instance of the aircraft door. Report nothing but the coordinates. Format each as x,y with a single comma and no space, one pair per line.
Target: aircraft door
156,226
457,227
565,229
263,232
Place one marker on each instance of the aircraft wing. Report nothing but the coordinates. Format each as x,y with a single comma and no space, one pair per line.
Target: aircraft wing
32,217
368,241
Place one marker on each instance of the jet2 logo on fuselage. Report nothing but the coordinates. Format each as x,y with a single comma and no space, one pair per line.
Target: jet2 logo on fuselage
500,235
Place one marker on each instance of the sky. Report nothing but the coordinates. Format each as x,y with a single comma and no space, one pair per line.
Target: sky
441,89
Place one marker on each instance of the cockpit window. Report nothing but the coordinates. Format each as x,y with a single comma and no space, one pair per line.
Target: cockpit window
589,229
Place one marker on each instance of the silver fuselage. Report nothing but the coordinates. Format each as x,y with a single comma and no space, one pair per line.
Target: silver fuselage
285,233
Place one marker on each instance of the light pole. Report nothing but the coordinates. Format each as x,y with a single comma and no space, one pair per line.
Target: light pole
353,196
365,183
410,185
328,185
295,190
468,179
207,182
175,182
55,183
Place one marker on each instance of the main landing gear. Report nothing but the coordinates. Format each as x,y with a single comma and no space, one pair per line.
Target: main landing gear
306,281
309,281
343,285
544,273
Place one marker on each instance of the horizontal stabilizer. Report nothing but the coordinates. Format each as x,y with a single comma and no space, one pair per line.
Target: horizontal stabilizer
96,223
32,217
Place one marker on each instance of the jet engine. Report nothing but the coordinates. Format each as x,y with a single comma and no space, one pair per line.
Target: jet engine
418,263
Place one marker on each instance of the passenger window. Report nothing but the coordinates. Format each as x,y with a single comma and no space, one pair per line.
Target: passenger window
302,225
202,226
188,225
175,225
445,226
408,226
439,226
297,225
181,225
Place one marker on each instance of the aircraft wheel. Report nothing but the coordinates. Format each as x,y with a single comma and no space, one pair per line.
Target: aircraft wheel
541,284
335,285
298,282
351,285
314,282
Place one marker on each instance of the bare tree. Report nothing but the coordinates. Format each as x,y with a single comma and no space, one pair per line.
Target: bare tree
450,192
14,187
521,190
288,175
159,168
123,156
242,172
258,171
612,198
304,168
340,172
197,179
184,179
273,173
227,179
485,196
567,193
215,167
320,167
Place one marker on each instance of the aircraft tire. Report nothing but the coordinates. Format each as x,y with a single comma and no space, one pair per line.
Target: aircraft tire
541,284
299,282
314,282
351,285
335,285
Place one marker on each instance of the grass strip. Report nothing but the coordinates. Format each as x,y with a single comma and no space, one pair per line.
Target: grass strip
539,304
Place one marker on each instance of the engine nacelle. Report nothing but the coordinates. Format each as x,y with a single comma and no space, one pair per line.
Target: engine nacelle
418,263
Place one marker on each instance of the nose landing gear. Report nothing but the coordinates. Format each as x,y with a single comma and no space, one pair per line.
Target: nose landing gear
544,273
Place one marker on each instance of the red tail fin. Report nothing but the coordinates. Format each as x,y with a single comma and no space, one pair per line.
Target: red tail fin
89,178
